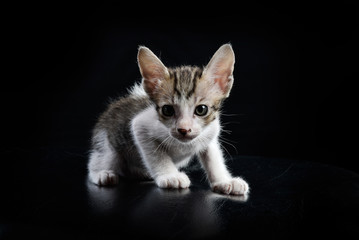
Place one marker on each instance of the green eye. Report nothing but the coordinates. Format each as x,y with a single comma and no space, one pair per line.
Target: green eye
168,110
201,110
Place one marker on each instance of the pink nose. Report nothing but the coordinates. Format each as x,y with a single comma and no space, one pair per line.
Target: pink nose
183,131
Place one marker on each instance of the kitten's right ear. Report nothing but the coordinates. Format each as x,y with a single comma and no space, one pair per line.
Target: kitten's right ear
152,70
220,68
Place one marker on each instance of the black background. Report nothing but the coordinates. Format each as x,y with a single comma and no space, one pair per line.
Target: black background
296,67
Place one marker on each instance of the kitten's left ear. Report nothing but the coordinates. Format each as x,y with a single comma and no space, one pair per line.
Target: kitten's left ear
152,70
220,68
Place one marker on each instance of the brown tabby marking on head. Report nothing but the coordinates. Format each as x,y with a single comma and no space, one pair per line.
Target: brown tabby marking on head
184,80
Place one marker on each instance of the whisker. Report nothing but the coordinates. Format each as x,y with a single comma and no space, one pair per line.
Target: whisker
227,123
226,131
226,141
230,114
162,143
225,149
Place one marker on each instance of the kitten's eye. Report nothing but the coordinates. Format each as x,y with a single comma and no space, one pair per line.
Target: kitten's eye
201,110
168,110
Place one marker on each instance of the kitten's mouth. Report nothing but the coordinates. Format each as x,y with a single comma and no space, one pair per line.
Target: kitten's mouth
184,139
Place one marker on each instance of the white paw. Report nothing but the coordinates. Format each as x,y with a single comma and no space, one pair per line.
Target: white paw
173,180
234,186
104,177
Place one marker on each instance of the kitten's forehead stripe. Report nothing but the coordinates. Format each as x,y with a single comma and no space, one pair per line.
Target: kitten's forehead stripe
175,84
185,80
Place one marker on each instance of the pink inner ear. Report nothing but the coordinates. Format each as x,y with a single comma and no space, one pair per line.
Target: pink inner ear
222,78
221,83
151,85
220,68
152,72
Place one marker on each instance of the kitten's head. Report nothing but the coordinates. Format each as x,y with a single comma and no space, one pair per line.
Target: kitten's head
187,98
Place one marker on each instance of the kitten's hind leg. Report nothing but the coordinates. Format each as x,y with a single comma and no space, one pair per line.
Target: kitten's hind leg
103,165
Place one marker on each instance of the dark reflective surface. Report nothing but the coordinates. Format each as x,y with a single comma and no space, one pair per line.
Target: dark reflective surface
288,199
163,212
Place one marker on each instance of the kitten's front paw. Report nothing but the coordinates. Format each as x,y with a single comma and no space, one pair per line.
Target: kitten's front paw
235,186
104,178
173,180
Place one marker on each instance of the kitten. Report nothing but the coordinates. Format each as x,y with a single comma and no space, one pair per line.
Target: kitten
165,121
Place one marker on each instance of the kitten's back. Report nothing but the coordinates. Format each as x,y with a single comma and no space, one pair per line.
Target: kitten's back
117,118
115,125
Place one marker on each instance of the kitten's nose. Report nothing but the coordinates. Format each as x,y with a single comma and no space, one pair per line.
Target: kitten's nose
183,131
